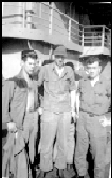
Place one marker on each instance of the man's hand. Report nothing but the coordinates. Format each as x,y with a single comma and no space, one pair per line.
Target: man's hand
73,114
11,126
105,122
40,111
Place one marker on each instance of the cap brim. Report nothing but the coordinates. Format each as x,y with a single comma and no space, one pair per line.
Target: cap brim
63,55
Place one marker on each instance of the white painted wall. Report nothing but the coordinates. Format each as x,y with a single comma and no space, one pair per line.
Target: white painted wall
11,64
11,55
2,7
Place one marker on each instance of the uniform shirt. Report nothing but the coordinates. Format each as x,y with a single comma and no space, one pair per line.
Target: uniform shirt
14,100
57,89
95,99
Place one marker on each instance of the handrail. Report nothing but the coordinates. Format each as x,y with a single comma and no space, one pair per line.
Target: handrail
63,14
93,26
108,28
70,28
12,5
92,41
92,38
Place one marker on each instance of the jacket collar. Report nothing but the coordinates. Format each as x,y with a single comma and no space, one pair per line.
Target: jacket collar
65,71
21,81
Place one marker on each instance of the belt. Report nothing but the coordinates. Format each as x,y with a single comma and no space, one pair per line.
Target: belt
89,113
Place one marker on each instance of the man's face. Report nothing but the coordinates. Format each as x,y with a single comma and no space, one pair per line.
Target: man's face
93,69
29,66
59,60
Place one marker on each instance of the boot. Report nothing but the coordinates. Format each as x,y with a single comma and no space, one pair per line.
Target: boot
41,174
61,173
53,173
71,171
86,176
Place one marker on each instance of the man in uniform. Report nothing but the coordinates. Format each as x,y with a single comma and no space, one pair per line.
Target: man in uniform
58,107
19,113
95,91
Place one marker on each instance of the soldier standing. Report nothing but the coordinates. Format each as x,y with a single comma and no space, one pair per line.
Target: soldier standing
58,107
95,91
19,113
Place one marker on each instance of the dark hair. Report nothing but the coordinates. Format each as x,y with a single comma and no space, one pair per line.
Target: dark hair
93,59
28,53
70,64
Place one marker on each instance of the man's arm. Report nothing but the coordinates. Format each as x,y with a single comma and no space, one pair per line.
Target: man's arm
41,75
41,78
106,120
77,105
72,92
73,99
108,116
7,95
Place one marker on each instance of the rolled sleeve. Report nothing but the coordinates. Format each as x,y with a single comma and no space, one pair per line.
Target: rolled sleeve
72,81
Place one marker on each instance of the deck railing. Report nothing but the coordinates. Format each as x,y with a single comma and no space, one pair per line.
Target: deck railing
41,15
97,35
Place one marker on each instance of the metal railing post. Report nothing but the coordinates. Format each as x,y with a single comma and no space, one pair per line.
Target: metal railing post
23,14
70,22
110,42
40,10
30,14
83,37
51,19
2,7
103,37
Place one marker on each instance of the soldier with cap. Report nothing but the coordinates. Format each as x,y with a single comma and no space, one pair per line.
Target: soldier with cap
95,99
58,107
19,113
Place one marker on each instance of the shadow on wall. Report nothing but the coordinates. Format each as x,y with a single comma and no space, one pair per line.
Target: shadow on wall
12,46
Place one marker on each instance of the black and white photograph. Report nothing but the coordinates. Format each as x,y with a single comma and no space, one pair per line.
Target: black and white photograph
56,89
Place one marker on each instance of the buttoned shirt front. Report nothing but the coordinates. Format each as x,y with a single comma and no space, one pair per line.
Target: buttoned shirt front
95,99
57,88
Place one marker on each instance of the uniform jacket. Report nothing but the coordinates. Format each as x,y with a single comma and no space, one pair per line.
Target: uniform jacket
14,99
